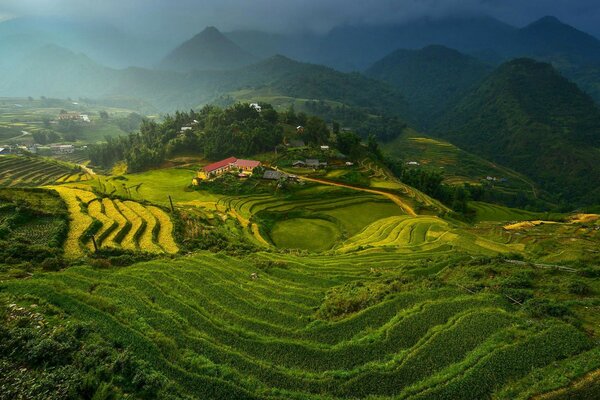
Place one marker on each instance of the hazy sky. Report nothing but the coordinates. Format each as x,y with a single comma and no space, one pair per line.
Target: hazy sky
185,17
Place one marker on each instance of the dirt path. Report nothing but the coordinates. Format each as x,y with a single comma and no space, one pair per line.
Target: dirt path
87,169
396,199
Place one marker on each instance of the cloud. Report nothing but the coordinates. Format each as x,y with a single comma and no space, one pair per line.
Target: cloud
190,16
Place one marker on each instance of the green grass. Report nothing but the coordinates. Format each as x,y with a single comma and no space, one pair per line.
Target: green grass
155,186
214,332
304,233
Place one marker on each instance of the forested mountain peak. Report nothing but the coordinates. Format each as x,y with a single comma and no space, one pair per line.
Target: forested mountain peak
433,78
527,116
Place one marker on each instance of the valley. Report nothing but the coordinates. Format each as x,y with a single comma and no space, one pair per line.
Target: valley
357,208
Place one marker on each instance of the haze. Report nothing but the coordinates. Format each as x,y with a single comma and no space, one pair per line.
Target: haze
178,19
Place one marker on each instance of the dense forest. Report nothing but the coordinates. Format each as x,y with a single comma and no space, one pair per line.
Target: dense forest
528,117
213,132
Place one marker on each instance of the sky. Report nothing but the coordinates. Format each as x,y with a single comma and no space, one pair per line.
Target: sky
186,17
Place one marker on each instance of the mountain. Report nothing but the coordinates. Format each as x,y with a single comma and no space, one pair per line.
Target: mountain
52,70
528,117
102,42
208,50
356,47
553,40
433,78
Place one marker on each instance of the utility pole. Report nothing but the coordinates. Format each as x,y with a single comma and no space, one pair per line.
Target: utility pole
94,242
171,201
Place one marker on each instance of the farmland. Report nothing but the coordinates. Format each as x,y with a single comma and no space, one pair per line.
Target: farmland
344,283
319,327
21,118
457,165
19,171
114,224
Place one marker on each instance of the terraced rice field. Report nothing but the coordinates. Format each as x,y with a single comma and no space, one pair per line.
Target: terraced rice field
23,171
494,212
421,233
314,218
122,224
218,334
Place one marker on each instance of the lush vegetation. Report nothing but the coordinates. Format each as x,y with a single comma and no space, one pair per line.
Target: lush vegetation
433,78
239,130
37,171
526,116
33,228
273,326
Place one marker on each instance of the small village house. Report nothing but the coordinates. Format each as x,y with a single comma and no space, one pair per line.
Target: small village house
299,164
62,148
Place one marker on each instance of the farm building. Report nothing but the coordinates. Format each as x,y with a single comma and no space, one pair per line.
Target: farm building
256,106
324,147
314,163
274,175
226,165
62,148
298,164
4,151
69,116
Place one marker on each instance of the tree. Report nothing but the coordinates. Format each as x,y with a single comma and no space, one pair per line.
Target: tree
103,115
316,131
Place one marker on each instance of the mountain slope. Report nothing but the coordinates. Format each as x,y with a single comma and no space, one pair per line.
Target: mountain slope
433,78
102,42
528,117
208,50
552,39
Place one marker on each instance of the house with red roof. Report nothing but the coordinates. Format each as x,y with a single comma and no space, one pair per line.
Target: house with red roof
229,164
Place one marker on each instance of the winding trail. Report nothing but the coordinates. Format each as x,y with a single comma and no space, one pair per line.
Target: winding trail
395,198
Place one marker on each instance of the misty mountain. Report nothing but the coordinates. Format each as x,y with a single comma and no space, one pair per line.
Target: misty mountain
355,48
528,117
208,50
433,78
53,71
101,42
553,40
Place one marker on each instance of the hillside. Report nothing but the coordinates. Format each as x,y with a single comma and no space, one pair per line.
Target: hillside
209,49
550,38
459,167
433,78
528,117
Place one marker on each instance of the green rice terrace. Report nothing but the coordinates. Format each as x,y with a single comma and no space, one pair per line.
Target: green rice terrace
38,171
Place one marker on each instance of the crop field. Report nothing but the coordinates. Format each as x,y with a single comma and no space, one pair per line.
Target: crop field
457,165
155,186
277,326
23,171
421,233
20,118
118,224
313,218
